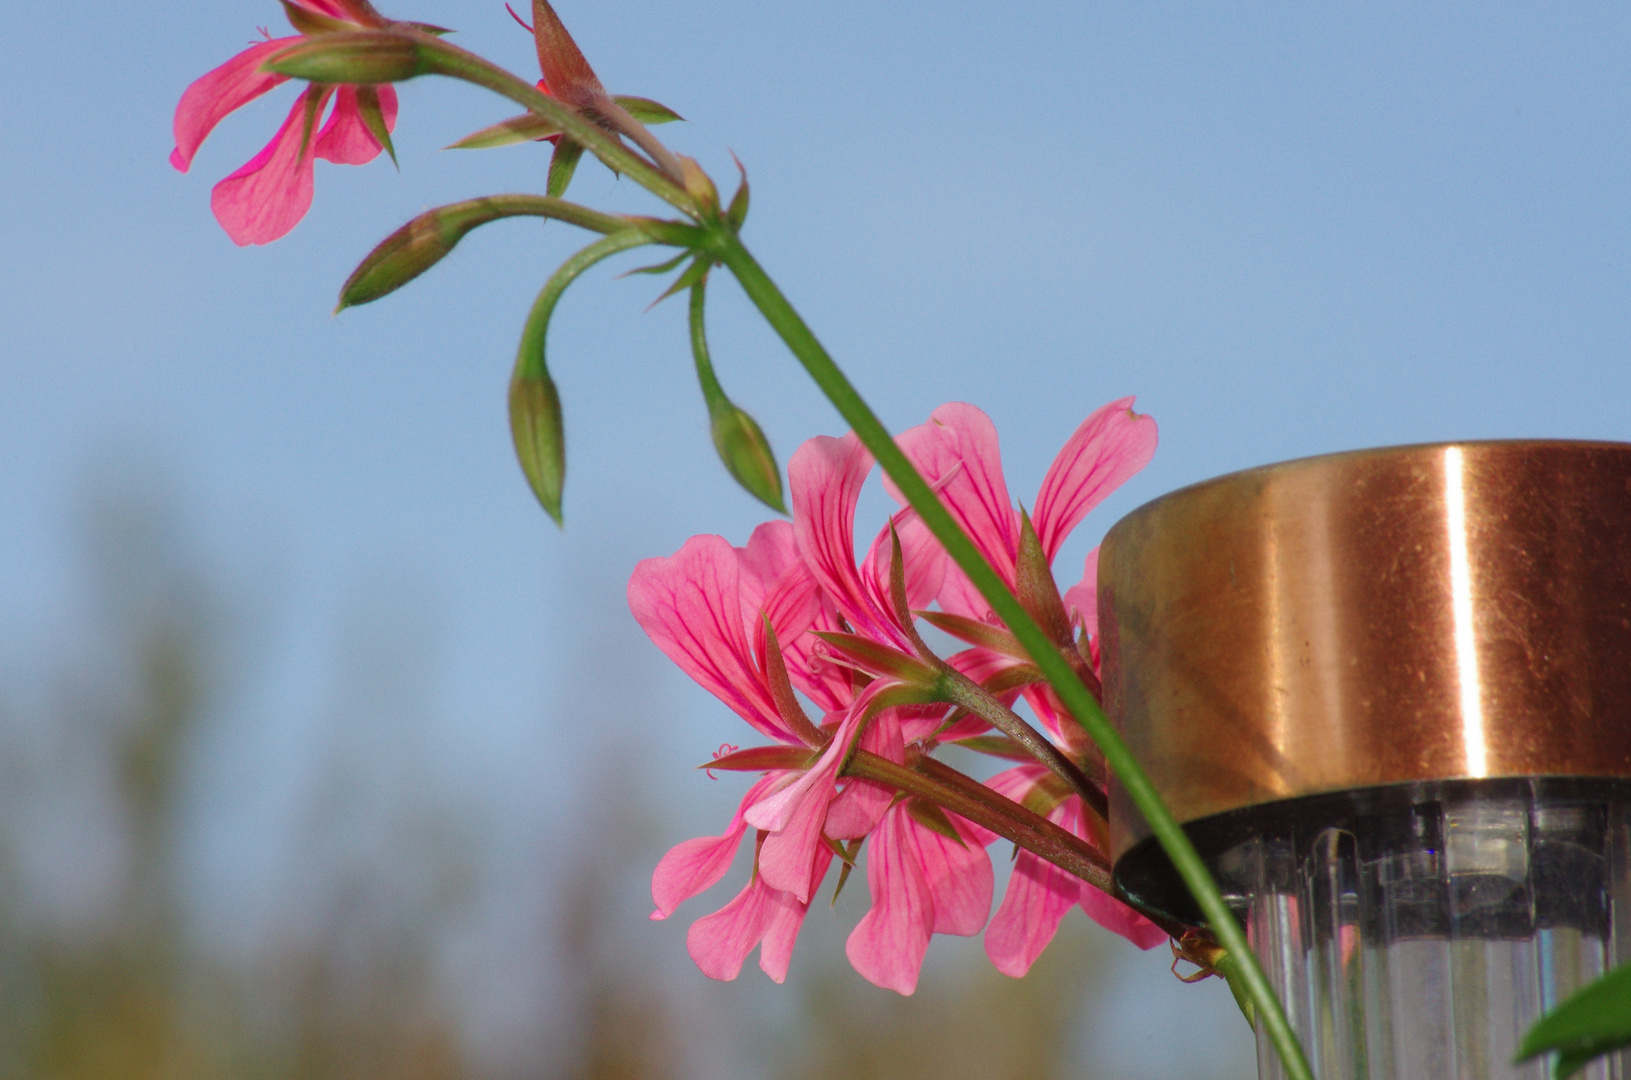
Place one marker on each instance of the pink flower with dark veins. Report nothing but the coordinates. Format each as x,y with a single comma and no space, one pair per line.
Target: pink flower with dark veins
271,192
922,880
957,452
707,607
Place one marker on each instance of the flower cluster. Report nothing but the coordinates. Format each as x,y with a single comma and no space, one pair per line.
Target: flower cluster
792,611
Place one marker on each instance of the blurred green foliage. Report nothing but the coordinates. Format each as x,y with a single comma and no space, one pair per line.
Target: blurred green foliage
108,977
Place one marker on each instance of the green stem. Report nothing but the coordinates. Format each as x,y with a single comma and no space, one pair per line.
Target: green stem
802,342
990,809
960,690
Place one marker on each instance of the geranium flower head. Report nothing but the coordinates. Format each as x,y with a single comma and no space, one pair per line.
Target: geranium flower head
271,192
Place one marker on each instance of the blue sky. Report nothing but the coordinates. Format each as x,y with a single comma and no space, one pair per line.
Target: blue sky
1289,230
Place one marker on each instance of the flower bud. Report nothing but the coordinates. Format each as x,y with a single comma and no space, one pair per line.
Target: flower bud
746,452
415,248
363,57
540,438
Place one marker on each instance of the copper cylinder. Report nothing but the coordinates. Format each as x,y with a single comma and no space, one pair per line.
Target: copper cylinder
1372,618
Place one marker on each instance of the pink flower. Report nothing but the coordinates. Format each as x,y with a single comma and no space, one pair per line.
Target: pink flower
272,191
957,452
1040,893
707,607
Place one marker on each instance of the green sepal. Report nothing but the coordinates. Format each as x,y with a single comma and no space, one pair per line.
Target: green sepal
933,818
528,127
781,689
973,631
693,275
660,268
878,659
1590,1023
846,856
1036,589
359,56
540,444
373,118
763,759
737,212
645,110
429,28
562,164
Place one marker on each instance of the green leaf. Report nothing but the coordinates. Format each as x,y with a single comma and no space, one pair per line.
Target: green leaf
528,127
562,164
645,110
1593,1022
535,426
373,118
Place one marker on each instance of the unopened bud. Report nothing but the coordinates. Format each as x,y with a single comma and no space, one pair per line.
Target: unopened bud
698,185
746,452
364,57
413,249
540,438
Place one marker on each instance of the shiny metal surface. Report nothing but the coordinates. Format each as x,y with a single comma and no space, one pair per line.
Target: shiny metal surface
1413,613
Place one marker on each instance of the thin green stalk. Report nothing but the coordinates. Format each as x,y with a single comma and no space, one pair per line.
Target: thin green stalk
1076,697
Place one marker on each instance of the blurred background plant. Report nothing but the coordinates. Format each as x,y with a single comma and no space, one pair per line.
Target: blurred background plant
111,972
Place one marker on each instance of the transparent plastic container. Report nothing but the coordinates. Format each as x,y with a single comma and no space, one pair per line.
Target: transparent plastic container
1415,932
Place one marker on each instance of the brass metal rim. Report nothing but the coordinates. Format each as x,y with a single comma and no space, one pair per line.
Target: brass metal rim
1452,611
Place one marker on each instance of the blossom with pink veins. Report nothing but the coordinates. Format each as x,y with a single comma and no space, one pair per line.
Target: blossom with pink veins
922,881
957,452
271,192
707,607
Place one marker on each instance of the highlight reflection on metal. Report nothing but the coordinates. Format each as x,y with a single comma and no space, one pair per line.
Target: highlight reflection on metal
1415,613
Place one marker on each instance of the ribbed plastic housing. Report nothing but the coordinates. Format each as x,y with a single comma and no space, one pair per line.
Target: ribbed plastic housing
1415,932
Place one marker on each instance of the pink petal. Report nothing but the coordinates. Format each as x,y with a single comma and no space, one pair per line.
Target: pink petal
775,584
696,865
345,139
958,877
856,810
758,914
957,452
782,929
721,941
269,195
888,944
1108,447
212,96
797,812
1082,598
1117,917
1038,896
925,564
690,606
825,476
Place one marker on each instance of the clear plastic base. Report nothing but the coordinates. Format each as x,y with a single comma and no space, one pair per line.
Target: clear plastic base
1415,933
